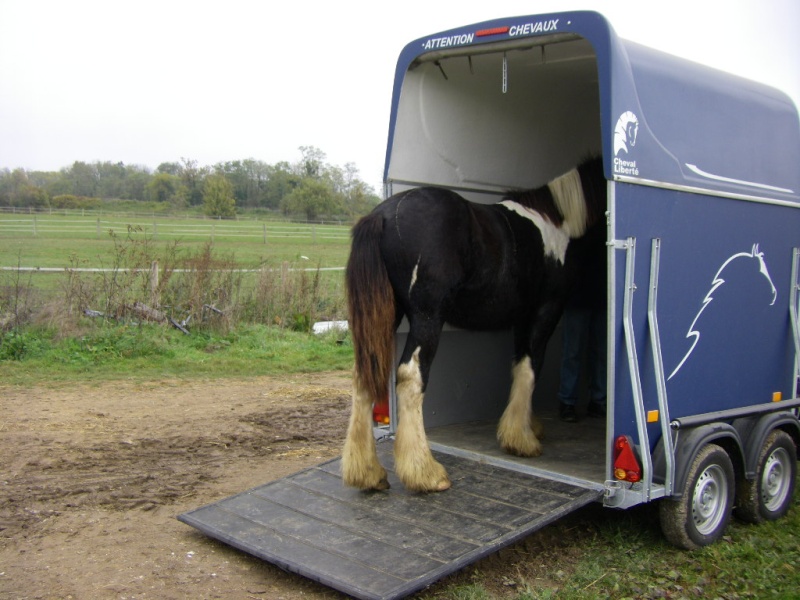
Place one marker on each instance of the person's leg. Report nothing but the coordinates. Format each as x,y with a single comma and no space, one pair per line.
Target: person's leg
573,330
597,364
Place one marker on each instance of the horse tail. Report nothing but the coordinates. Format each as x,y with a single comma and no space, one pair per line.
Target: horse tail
371,307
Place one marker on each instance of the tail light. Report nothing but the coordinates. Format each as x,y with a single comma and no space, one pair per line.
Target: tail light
380,411
626,467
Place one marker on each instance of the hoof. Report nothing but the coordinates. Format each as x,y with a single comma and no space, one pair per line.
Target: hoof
363,475
367,484
431,478
527,446
441,485
531,452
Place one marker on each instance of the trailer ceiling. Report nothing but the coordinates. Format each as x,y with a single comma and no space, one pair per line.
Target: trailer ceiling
501,117
514,102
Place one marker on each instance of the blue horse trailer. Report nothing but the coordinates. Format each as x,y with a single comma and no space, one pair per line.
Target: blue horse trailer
703,236
702,256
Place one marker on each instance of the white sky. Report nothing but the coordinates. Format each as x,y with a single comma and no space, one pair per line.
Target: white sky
148,82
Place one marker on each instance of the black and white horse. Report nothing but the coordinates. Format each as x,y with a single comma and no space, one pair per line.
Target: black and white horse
435,258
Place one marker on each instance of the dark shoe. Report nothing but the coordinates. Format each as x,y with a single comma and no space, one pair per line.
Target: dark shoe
596,410
568,414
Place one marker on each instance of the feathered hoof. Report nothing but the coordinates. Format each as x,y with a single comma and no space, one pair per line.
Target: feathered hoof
366,484
432,478
372,477
527,446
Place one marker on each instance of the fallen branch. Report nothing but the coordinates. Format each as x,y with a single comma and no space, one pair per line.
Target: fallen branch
145,312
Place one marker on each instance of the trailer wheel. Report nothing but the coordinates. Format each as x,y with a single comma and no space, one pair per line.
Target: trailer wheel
699,517
769,495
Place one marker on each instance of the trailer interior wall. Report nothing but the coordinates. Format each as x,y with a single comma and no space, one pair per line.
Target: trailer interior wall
467,122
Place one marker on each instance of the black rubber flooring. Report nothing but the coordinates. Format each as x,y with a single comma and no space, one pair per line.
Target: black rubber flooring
389,544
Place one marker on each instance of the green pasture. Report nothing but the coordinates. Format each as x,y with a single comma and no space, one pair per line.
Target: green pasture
260,271
59,241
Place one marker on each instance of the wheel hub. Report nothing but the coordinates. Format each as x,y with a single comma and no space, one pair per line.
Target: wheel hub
710,493
774,482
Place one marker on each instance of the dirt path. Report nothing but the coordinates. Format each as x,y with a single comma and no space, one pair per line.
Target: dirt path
92,477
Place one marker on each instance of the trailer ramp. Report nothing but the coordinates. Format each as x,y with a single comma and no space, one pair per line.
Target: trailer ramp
383,545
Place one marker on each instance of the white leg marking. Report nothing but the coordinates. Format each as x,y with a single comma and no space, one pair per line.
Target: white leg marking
415,465
360,465
516,429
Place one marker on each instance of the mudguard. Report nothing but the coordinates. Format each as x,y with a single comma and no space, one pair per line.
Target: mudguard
755,431
688,443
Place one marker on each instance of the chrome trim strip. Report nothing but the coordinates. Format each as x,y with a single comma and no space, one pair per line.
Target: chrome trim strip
704,191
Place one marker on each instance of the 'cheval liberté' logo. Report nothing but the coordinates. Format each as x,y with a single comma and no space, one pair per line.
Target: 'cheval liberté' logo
625,134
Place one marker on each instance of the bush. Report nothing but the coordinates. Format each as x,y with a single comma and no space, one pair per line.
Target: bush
200,288
15,345
70,201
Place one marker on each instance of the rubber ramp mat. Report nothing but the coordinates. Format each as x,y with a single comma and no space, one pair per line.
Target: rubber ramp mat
383,545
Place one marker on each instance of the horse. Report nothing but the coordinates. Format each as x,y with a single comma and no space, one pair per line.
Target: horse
432,256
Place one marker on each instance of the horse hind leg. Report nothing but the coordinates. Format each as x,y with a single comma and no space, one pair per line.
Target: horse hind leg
360,465
519,431
415,465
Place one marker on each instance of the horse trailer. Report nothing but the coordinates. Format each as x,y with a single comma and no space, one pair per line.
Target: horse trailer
702,261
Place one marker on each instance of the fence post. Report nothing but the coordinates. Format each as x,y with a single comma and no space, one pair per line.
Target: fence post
265,233
34,225
98,227
155,230
313,234
154,295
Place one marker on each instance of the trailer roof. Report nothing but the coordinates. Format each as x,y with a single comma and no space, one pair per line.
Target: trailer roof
663,119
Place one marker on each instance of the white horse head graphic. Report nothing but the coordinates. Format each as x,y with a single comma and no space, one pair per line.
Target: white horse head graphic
625,132
694,332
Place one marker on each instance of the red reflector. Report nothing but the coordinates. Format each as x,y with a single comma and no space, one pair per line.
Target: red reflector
380,411
626,467
492,31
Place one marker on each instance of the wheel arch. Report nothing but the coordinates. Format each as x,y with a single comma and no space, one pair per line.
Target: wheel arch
688,442
754,434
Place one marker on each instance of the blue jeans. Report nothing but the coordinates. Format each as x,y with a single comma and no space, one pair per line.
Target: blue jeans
583,331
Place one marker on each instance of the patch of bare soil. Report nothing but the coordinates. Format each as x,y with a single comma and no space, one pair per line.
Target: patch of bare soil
92,477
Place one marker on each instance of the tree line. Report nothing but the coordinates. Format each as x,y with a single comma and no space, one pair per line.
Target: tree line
310,187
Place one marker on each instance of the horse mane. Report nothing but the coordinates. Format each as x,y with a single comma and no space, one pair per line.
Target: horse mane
539,200
576,198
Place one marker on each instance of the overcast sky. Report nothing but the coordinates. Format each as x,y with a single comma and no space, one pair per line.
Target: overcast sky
148,82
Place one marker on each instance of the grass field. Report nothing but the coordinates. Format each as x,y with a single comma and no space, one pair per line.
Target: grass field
255,271
59,241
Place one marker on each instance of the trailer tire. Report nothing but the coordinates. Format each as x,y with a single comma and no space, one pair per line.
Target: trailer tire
768,496
700,515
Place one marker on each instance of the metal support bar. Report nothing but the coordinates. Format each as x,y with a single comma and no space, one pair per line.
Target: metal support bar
633,368
505,73
793,313
733,413
658,365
